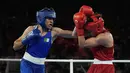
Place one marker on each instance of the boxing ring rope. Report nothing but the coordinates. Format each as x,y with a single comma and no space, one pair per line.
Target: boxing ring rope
67,60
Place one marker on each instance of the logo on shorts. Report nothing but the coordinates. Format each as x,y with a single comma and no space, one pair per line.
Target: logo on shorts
46,39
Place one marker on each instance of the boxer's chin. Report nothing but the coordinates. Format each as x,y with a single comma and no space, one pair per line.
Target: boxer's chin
49,26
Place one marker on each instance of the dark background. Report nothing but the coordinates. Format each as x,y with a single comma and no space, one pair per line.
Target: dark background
17,15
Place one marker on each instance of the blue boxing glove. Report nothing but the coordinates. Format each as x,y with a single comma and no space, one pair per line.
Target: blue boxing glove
34,34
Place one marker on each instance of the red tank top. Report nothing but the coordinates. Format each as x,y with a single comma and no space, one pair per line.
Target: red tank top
103,53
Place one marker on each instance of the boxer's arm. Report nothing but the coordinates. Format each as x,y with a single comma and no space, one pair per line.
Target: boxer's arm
74,32
63,33
104,39
90,42
18,42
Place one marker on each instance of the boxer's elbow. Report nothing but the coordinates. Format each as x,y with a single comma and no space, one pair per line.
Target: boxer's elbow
17,45
81,45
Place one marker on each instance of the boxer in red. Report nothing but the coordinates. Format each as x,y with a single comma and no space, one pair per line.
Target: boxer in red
100,40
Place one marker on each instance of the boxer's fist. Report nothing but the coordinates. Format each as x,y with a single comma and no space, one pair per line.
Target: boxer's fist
34,34
79,20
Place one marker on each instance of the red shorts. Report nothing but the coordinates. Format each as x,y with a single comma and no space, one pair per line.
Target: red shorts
101,68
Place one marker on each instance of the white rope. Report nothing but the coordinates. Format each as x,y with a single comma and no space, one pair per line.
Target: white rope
121,61
67,60
10,59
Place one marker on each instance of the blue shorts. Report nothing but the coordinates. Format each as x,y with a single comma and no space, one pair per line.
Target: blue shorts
28,67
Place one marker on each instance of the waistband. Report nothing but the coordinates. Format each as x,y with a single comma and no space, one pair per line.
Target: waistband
96,61
32,59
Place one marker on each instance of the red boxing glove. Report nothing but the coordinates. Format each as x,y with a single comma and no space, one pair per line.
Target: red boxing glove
87,10
79,20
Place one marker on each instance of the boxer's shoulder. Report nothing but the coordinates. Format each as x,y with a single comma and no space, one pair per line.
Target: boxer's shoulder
54,31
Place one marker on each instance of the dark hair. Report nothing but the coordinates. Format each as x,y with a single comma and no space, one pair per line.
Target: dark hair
89,19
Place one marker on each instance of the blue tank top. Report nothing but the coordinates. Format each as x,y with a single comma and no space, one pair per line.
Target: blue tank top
40,46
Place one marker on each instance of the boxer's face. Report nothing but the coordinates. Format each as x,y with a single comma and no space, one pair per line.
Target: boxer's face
49,23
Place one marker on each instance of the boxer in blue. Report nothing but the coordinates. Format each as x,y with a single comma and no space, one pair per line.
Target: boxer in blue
38,39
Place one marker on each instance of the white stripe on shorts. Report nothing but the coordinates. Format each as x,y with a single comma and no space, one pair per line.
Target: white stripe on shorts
96,61
32,59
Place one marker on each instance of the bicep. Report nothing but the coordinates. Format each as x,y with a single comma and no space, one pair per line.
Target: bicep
26,31
63,33
91,42
18,42
60,31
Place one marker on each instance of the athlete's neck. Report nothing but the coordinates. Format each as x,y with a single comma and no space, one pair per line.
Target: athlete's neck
46,30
